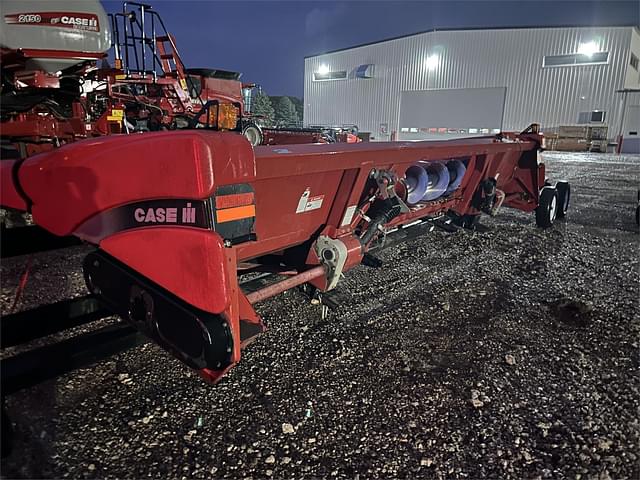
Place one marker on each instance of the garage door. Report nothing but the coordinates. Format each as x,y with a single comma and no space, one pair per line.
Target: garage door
631,130
450,113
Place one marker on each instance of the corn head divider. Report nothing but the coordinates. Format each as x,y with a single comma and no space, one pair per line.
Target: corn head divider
176,217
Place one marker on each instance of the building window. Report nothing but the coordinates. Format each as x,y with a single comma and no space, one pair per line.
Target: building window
324,76
365,71
634,61
596,116
575,59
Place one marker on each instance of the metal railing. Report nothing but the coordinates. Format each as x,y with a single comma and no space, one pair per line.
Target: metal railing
136,35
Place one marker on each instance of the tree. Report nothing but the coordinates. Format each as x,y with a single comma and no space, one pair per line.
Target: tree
286,114
297,102
261,107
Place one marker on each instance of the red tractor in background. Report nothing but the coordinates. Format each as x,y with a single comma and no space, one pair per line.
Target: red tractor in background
58,86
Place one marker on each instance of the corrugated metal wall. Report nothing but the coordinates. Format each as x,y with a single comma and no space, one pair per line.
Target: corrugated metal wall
509,58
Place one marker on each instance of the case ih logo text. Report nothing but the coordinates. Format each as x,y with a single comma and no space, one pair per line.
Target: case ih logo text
165,215
80,21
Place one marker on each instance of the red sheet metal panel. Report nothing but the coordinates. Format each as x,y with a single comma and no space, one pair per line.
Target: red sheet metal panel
70,184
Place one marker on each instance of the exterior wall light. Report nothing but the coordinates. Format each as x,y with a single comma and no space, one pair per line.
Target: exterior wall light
432,62
588,48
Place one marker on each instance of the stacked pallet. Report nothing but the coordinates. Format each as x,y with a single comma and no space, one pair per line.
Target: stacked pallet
568,138
577,138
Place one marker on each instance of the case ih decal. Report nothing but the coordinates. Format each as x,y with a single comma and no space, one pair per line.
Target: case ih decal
153,213
165,215
79,21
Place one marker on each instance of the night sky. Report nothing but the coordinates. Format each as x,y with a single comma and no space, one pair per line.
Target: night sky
267,40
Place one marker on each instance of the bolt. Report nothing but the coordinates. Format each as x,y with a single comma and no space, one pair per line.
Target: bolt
96,263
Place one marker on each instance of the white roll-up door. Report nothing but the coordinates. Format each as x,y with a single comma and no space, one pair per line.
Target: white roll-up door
450,113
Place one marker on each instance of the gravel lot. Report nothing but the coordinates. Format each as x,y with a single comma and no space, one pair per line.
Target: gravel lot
511,353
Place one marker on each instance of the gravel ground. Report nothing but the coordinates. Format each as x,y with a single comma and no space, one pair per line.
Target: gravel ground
509,353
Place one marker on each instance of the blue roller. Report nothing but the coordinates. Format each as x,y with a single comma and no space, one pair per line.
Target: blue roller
416,179
456,174
438,180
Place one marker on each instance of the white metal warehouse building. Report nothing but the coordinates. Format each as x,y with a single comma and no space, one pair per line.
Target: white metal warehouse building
444,83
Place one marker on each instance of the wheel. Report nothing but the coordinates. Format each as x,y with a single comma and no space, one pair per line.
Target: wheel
547,207
564,197
252,133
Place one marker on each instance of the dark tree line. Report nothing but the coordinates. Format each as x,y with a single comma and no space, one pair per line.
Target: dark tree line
277,111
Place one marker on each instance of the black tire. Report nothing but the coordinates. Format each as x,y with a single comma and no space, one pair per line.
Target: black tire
547,207
252,133
564,198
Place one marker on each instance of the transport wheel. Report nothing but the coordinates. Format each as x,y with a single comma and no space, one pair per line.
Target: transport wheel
252,133
564,197
547,207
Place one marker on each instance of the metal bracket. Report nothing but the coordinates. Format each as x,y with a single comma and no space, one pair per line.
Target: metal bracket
386,181
333,254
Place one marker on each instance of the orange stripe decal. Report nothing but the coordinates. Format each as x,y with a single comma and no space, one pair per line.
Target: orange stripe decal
234,200
236,213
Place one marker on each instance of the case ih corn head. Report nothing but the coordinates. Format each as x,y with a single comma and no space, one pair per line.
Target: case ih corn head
176,217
